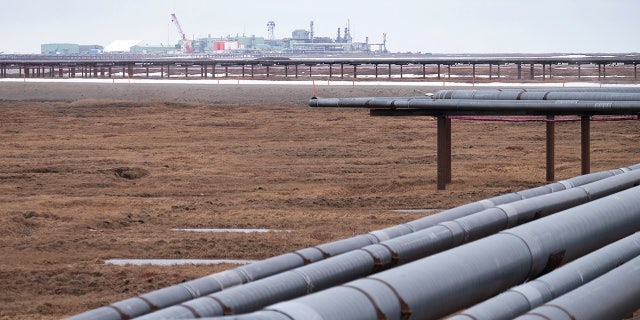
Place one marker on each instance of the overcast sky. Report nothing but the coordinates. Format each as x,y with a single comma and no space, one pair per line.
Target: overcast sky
444,26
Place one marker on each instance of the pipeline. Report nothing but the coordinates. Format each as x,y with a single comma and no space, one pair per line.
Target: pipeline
538,94
441,284
486,107
176,294
362,262
592,301
521,299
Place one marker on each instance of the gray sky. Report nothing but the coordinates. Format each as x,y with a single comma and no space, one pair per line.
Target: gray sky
444,26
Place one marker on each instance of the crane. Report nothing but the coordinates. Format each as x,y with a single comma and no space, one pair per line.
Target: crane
186,43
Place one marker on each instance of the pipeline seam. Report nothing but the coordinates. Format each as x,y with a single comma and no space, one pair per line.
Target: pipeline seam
589,195
191,309
377,264
531,265
561,309
324,253
467,315
379,313
305,260
539,315
123,316
244,275
213,276
148,302
189,289
280,312
405,309
395,258
306,279
226,310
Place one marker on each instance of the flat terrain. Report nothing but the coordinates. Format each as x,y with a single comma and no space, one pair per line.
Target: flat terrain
90,172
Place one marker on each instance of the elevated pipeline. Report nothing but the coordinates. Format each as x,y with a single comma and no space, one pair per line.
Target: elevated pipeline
439,107
526,94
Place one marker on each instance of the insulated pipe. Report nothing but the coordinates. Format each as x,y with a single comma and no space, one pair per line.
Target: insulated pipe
594,300
360,263
486,107
163,298
439,285
525,94
519,300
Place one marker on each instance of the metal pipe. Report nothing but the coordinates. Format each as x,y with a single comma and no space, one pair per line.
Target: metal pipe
166,297
584,94
446,282
400,250
594,299
519,300
169,296
439,107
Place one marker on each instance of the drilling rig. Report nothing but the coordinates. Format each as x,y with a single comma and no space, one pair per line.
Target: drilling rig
186,43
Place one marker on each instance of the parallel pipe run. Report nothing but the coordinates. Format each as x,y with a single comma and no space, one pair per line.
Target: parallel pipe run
475,271
521,299
593,301
445,107
539,94
362,262
166,297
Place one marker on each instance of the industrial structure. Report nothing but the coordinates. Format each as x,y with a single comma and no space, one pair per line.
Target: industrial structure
301,42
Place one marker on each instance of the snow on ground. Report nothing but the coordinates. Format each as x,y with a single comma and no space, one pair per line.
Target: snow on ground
319,82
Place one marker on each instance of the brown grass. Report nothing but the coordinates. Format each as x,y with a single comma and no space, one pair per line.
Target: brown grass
87,180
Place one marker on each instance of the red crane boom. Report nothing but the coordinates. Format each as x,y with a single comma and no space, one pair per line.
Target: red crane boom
186,43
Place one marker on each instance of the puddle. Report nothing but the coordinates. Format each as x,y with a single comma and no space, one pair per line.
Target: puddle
417,210
231,230
172,262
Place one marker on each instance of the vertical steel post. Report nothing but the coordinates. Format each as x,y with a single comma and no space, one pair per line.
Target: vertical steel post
599,71
579,71
551,141
389,70
443,152
438,71
474,71
331,70
424,71
448,149
355,71
585,139
519,71
531,75
490,71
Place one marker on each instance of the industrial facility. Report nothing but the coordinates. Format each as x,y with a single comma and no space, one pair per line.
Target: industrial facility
302,41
